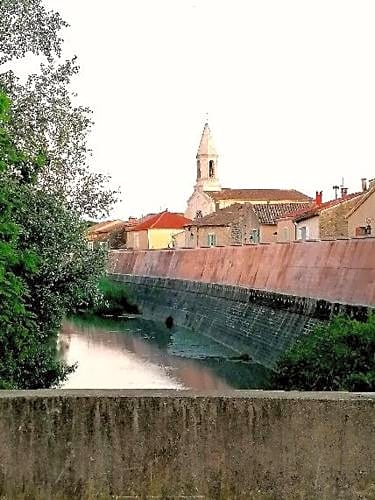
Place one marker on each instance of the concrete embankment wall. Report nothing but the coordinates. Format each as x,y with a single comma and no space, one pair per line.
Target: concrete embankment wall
337,271
256,299
257,323
144,444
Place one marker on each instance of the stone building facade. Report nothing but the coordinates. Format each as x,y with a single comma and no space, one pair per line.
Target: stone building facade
351,215
238,224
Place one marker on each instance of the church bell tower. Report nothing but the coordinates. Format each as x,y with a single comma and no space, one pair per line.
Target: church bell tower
207,178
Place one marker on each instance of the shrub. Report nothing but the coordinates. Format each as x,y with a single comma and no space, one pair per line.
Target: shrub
339,355
115,299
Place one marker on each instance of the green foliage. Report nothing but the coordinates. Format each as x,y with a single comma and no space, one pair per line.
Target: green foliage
339,355
46,186
114,299
46,269
44,111
26,26
26,360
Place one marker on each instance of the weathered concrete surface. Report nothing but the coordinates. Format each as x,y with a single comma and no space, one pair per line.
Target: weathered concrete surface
135,444
336,271
260,323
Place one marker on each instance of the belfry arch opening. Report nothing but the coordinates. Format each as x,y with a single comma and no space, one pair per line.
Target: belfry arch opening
211,168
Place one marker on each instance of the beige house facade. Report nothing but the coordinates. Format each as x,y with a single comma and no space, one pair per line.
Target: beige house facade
361,218
307,229
349,216
156,232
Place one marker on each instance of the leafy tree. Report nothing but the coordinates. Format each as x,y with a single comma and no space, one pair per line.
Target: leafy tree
27,355
339,355
46,189
43,111
28,27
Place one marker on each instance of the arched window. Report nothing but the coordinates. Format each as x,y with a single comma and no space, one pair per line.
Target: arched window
211,168
198,169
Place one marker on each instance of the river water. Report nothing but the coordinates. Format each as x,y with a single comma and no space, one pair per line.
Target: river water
139,354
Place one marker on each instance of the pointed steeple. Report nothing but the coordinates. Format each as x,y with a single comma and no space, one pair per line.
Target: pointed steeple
207,179
206,146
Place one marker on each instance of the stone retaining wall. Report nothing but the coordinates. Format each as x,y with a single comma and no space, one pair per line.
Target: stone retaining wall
175,444
336,271
259,323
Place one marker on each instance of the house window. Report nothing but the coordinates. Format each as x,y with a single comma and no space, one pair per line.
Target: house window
104,244
198,169
90,245
198,214
211,168
363,230
211,240
255,236
303,233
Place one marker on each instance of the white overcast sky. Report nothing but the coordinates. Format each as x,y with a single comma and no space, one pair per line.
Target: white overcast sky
289,86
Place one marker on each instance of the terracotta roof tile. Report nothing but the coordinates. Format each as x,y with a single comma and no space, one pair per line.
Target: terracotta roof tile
221,217
313,209
362,199
164,220
106,226
258,195
266,213
270,212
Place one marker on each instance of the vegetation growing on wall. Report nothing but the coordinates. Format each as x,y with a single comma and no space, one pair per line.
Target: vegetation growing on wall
339,355
114,300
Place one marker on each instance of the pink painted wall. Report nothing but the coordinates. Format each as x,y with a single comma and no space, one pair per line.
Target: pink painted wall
339,271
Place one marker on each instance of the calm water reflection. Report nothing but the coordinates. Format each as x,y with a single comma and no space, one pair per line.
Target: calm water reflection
138,354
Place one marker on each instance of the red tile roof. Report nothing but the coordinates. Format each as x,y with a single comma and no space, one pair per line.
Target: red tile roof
315,209
362,199
270,212
223,217
258,195
106,226
164,220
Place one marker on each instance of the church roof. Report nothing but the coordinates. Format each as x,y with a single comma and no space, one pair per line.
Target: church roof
206,146
266,213
164,220
259,195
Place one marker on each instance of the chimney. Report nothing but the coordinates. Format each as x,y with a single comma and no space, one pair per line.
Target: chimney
318,197
336,189
371,183
344,192
364,184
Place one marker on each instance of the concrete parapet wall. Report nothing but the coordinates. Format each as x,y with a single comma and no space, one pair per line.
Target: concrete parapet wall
336,271
176,444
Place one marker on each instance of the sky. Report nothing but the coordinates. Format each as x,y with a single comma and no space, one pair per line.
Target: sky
289,88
